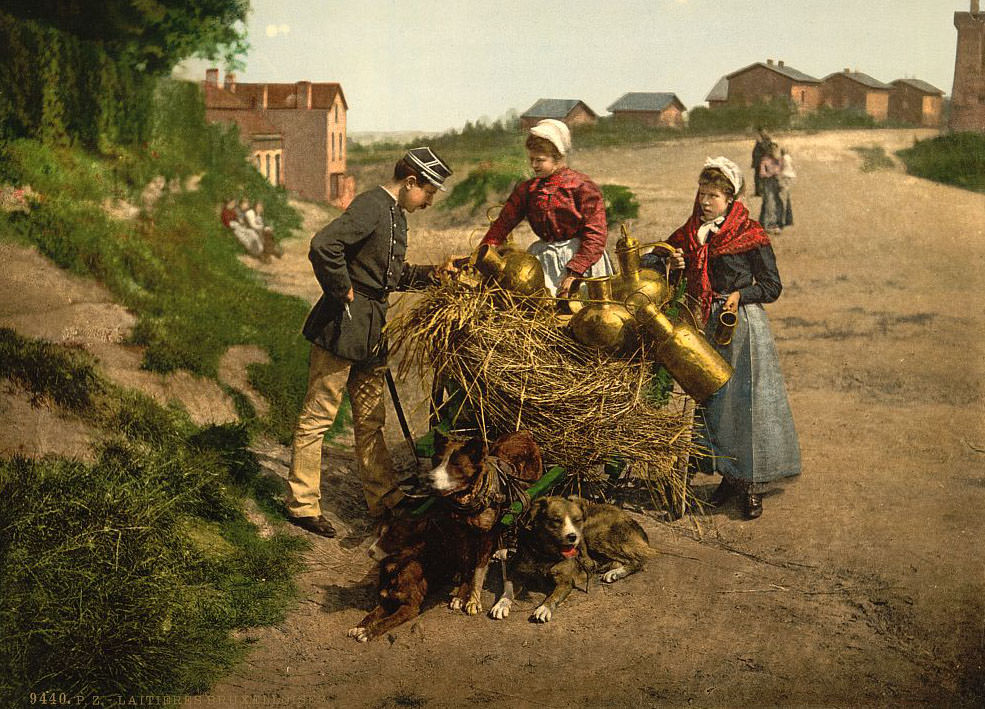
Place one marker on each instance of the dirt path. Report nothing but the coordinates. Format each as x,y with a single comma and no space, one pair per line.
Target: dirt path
862,584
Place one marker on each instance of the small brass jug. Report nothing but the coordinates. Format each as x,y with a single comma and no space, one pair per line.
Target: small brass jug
727,320
632,279
602,323
516,271
687,355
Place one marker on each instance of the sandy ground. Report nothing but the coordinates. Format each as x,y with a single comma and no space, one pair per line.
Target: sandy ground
861,585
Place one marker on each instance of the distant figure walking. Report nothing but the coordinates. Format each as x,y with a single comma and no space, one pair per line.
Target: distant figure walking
760,150
770,213
785,180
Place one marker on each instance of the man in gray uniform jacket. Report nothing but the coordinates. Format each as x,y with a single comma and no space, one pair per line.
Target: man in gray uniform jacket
359,260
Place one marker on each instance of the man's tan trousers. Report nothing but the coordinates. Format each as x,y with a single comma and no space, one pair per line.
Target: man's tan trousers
328,377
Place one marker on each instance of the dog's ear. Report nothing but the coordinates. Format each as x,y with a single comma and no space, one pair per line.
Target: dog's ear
537,508
475,448
581,502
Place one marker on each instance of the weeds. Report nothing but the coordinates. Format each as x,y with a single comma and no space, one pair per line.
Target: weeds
874,158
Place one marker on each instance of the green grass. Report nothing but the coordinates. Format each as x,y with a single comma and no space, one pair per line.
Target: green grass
127,575
874,158
956,159
176,268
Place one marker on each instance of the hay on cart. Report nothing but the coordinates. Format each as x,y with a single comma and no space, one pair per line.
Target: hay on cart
519,370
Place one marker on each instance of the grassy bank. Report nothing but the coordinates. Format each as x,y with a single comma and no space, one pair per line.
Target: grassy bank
126,576
174,266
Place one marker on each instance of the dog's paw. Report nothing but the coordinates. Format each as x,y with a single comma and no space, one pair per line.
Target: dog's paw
615,574
358,633
456,604
501,609
541,615
473,606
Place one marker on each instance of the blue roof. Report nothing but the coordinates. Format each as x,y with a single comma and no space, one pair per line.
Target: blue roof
644,101
558,108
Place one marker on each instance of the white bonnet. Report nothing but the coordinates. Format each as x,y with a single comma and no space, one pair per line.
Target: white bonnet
556,132
732,171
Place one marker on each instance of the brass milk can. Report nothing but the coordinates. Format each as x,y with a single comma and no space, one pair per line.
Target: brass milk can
684,351
516,271
633,279
601,323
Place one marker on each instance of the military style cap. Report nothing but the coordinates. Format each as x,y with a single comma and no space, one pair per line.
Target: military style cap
425,162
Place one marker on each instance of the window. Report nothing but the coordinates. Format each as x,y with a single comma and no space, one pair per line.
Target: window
268,167
803,97
336,113
277,169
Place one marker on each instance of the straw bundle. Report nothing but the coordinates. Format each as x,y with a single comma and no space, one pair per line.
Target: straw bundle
519,370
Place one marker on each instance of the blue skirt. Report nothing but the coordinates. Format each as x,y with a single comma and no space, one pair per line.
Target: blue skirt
746,426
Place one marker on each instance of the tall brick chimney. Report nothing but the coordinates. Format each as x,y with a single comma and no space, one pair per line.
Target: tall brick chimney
303,92
967,107
779,62
769,62
230,83
212,77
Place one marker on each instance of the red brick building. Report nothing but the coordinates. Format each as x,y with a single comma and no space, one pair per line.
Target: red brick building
761,82
916,102
651,109
854,90
310,122
968,93
571,111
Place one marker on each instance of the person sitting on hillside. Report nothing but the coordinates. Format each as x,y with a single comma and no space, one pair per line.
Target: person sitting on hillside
564,208
249,239
254,220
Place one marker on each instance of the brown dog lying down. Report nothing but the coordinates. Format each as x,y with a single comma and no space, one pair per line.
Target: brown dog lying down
566,540
473,482
417,555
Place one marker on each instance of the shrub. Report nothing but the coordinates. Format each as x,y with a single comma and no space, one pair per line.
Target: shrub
956,159
620,204
772,115
488,183
826,118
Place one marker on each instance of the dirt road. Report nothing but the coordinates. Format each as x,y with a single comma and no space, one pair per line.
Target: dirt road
862,584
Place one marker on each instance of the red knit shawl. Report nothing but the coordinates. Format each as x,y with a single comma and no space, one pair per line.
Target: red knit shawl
737,235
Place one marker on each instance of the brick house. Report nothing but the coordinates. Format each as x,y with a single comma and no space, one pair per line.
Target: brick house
261,137
651,109
310,119
855,90
572,111
718,96
968,92
761,82
915,101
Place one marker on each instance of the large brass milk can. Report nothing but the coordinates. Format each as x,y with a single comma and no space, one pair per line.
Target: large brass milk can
632,279
516,271
602,323
687,355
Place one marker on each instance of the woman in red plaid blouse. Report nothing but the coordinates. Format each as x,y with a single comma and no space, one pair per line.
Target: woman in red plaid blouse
564,208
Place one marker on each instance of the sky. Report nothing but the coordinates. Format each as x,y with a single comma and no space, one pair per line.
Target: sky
408,65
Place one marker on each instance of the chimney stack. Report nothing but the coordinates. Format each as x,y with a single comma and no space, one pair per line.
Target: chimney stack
780,63
212,77
974,7
230,83
769,62
847,70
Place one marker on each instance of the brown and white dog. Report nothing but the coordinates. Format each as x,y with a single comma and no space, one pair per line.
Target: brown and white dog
472,482
417,555
565,539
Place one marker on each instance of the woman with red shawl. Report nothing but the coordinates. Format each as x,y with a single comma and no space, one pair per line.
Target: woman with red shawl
746,427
